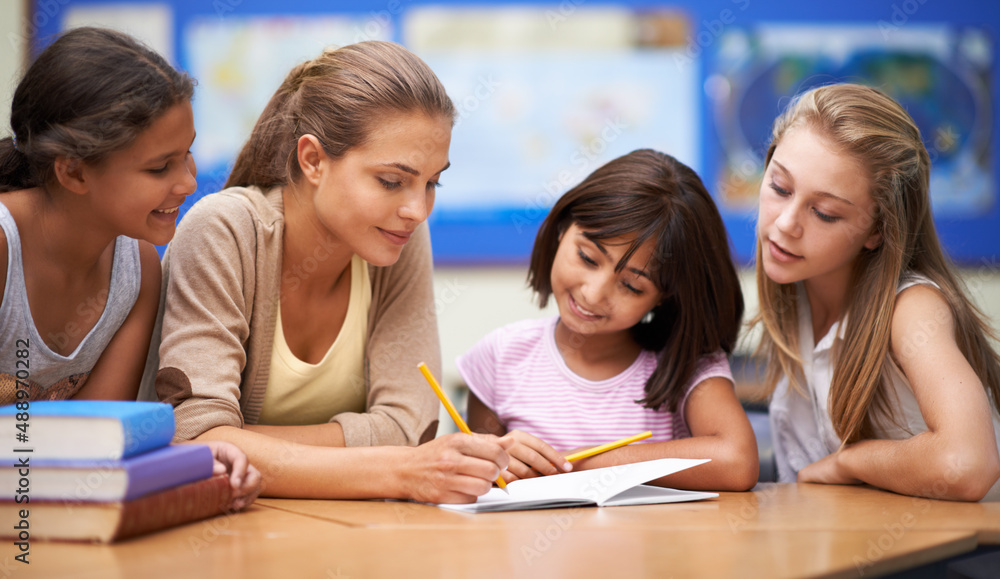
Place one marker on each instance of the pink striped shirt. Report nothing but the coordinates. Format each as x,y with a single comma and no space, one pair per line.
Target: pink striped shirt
518,372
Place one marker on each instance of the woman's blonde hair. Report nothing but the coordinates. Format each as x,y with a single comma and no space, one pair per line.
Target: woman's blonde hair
337,97
876,131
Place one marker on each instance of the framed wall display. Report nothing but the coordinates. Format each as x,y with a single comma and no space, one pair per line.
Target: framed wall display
548,91
941,74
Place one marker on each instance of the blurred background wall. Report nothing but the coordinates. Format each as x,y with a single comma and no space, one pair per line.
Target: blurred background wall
549,91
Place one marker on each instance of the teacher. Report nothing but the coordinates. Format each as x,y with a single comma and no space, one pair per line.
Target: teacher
298,301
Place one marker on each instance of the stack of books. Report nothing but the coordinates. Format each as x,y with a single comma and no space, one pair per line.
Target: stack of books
101,471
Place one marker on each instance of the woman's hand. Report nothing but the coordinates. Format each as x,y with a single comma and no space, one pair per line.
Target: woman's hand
455,468
531,457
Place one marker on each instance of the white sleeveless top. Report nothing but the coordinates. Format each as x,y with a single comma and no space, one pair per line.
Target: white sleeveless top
801,428
23,352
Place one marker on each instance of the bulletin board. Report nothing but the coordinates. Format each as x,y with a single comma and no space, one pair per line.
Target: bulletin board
547,92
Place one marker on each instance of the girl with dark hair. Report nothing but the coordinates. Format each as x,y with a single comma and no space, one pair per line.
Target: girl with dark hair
299,301
638,261
98,160
92,178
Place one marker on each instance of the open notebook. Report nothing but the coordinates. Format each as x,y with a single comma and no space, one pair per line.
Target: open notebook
610,486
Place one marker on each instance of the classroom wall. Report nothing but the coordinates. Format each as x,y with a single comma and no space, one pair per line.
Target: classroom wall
470,300
11,35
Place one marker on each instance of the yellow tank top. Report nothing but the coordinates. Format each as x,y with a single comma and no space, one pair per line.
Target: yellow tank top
303,393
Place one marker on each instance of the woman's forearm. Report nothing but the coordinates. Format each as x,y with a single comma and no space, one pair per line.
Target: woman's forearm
327,434
293,469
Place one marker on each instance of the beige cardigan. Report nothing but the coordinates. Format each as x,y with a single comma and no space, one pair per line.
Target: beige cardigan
217,319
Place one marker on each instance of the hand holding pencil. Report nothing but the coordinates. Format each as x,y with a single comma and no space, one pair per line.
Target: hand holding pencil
539,452
450,408
454,468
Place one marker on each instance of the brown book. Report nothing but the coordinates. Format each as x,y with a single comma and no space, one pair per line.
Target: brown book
114,521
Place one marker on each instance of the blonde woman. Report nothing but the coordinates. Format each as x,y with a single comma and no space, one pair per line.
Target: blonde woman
880,367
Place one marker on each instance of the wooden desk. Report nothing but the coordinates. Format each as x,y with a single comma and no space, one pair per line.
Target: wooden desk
769,507
776,531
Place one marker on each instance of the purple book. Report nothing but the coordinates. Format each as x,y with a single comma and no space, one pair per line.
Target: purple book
108,480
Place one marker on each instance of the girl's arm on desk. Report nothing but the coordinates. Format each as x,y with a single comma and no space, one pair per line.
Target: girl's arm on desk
956,458
720,431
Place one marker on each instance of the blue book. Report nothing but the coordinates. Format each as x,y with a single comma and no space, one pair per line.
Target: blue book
110,480
84,429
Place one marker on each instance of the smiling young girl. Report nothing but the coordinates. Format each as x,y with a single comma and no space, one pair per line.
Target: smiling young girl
881,368
299,301
98,160
97,167
638,262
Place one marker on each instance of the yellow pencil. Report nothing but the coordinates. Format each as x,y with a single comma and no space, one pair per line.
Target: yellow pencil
606,447
450,408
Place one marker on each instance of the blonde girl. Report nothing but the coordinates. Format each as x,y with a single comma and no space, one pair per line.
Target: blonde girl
881,367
